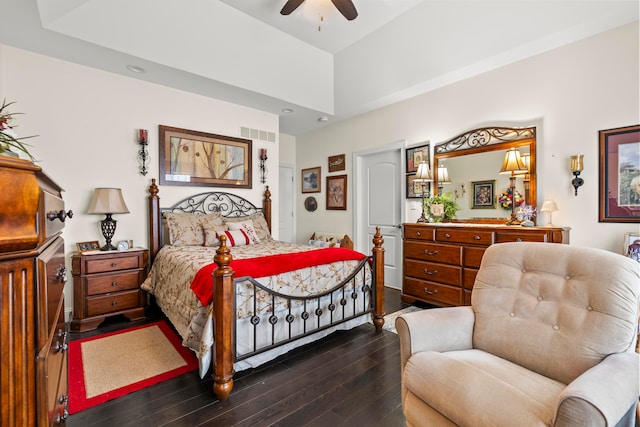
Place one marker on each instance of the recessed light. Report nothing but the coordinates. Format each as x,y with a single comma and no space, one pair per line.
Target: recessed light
287,110
136,69
323,119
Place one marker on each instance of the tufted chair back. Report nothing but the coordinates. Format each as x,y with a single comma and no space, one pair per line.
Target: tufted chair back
554,309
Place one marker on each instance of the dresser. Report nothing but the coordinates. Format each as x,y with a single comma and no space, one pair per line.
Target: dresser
441,260
33,338
108,284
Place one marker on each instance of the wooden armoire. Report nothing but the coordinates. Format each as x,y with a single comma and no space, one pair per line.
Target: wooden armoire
33,338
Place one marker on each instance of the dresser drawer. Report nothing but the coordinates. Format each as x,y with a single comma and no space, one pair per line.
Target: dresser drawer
418,232
54,216
112,264
99,305
432,292
474,237
532,236
105,283
469,278
441,273
449,254
473,257
52,276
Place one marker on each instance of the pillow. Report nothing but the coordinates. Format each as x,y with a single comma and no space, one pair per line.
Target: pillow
247,227
321,244
211,236
236,238
259,224
185,229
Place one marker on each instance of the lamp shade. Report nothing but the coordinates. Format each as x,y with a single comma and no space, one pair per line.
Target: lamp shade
549,206
513,162
443,175
526,161
107,201
424,173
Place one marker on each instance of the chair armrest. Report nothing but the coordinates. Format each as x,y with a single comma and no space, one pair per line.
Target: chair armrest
436,329
607,391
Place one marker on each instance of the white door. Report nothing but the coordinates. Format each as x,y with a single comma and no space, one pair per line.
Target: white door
379,203
286,204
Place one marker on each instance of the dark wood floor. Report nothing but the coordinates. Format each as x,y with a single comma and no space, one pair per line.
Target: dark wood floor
350,378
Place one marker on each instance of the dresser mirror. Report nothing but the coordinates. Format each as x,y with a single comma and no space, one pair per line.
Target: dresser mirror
473,161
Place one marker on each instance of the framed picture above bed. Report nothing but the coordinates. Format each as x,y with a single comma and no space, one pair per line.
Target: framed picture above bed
620,174
196,158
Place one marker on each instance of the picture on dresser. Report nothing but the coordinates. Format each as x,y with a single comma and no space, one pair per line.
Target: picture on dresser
88,246
483,196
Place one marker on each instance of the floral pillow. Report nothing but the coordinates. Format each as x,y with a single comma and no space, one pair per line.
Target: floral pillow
259,224
247,227
212,236
187,229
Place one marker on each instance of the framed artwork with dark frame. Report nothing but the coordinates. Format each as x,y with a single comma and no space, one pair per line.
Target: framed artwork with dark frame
415,155
414,188
190,157
311,180
620,174
337,163
484,194
88,246
337,192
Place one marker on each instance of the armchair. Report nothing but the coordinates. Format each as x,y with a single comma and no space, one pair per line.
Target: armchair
549,340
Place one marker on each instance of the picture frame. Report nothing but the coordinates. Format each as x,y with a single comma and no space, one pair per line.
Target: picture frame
337,192
194,158
311,180
337,163
619,174
414,189
89,246
629,238
415,155
483,194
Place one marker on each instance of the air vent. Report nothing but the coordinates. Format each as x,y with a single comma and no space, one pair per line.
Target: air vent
262,135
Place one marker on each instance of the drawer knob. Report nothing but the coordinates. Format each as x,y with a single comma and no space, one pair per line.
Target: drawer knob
61,347
114,284
426,251
447,235
62,215
428,292
63,399
476,237
418,233
114,303
113,264
430,273
62,419
518,239
61,274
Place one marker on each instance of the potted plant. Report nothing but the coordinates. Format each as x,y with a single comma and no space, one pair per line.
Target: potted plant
440,208
9,141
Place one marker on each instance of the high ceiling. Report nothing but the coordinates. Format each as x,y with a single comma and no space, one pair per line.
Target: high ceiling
313,61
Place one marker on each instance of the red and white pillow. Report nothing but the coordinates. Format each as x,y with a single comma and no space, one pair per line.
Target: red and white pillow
246,227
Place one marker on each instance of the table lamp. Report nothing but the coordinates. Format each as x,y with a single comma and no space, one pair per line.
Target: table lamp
108,201
549,206
513,165
423,176
443,178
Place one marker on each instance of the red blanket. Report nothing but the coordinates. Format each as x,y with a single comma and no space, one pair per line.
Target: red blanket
271,265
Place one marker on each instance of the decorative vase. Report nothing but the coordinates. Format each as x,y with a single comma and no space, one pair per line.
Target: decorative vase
8,153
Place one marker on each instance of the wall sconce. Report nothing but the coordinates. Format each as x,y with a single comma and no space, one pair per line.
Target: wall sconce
549,206
443,177
423,176
107,201
263,165
576,167
143,154
513,165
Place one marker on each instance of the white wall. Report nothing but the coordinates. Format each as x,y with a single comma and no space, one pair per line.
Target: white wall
571,93
87,122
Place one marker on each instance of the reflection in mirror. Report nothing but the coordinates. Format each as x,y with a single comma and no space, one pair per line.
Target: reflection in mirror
473,161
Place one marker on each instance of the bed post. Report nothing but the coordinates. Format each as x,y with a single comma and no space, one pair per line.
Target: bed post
223,322
266,207
154,221
378,259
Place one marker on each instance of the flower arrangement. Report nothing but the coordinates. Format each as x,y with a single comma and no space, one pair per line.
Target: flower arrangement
440,207
9,140
506,198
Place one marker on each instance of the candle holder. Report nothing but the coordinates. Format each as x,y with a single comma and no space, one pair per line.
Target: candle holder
143,154
263,165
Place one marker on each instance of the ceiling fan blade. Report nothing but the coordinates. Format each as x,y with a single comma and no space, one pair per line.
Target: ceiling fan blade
346,8
290,6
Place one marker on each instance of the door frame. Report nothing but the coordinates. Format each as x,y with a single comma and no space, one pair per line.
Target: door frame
358,186
294,228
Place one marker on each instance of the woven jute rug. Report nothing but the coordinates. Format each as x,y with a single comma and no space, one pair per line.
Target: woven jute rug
108,366
390,319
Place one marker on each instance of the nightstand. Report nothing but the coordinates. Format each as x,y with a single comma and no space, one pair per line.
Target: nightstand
108,284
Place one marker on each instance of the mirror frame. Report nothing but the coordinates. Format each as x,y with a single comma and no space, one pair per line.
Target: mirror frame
482,140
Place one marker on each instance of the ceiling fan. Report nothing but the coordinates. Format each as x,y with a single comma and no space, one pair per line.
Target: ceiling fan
345,7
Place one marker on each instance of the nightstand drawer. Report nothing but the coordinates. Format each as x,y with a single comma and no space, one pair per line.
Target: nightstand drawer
98,305
434,272
111,264
432,252
102,284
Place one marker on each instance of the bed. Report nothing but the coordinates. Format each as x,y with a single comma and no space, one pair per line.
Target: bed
245,307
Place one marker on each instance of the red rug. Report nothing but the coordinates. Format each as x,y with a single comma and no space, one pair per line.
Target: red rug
108,366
